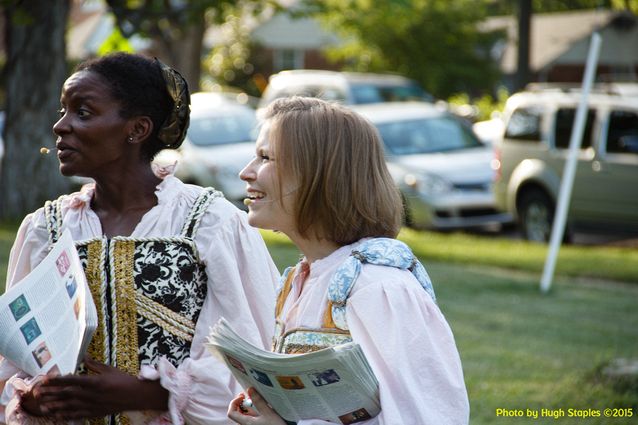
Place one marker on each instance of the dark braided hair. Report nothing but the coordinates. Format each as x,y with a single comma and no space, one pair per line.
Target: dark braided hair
137,83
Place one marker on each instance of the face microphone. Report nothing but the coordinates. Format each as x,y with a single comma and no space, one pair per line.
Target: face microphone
46,151
248,201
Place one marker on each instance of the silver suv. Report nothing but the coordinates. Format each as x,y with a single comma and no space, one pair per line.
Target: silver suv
531,155
349,88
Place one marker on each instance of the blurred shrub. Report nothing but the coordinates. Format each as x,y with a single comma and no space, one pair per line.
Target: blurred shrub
480,108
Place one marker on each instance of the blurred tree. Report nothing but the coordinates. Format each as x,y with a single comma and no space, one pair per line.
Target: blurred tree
508,7
177,27
35,70
115,42
237,61
435,42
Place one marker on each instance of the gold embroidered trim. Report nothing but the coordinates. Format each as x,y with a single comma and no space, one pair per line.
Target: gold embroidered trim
98,346
336,331
122,419
311,340
125,320
164,317
95,275
328,322
283,294
302,348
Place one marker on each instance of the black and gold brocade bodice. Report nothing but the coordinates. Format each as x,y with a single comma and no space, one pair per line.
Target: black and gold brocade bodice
148,291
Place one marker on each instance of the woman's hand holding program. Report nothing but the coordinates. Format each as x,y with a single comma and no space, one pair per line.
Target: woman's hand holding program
260,414
106,391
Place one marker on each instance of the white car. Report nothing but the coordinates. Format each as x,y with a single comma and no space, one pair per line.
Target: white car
442,169
220,141
349,88
489,131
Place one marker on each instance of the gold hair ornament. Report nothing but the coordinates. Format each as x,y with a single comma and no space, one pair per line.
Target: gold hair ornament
173,130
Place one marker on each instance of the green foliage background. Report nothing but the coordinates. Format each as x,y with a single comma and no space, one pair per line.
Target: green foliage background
435,42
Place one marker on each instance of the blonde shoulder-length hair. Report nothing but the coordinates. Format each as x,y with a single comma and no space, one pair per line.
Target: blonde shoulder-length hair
345,190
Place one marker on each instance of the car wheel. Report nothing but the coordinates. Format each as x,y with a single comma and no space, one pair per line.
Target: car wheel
536,213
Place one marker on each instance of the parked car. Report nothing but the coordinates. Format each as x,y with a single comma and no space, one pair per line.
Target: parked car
489,131
219,143
347,87
442,169
532,152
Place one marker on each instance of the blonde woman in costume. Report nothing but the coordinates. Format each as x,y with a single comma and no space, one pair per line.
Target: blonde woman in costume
164,259
319,176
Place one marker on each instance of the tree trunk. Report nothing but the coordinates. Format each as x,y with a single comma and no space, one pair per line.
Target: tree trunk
35,71
189,53
185,53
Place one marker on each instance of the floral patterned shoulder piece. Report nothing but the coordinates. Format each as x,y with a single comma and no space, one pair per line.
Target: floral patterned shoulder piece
378,251
334,330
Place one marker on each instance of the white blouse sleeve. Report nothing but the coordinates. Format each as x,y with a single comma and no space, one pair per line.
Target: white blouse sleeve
29,248
411,349
241,288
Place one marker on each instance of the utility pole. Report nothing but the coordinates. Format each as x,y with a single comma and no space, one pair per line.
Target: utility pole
524,25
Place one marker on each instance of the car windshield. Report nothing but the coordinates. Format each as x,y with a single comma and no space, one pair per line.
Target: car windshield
325,92
374,93
436,134
222,129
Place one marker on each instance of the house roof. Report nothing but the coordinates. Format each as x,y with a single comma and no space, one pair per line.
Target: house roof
552,36
83,29
283,31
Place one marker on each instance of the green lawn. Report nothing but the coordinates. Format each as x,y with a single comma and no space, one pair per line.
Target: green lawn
524,350
609,263
520,349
